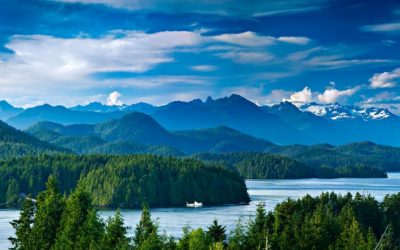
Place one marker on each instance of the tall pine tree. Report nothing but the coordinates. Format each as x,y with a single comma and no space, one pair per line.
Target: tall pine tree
50,205
74,217
23,226
115,233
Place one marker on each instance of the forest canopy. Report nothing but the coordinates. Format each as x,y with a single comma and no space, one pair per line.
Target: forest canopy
124,181
326,222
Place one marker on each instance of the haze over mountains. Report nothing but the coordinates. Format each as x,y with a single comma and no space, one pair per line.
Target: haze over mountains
282,123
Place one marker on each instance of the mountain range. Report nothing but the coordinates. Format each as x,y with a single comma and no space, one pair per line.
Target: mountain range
140,133
137,132
17,143
282,123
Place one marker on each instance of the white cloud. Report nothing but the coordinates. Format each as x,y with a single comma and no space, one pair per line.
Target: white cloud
301,97
252,39
385,79
332,95
220,7
50,59
286,11
294,39
337,61
248,38
385,99
113,99
247,57
386,27
204,68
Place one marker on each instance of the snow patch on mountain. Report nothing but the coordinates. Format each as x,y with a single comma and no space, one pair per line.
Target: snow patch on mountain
345,112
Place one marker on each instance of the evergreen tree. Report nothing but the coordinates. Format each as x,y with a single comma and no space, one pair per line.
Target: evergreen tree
146,228
237,238
50,205
74,217
388,241
183,243
391,205
23,226
91,233
351,237
217,246
216,232
12,193
257,228
198,240
115,233
371,240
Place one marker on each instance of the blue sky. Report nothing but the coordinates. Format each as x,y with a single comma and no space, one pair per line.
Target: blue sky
77,51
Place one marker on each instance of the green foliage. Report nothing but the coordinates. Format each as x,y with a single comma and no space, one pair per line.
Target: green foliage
351,237
50,206
12,193
118,181
364,154
270,166
237,238
115,233
257,228
23,226
75,215
145,228
128,181
16,143
139,133
389,241
91,233
391,204
216,232
330,221
198,240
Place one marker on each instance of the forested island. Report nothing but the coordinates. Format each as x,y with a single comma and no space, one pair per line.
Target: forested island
269,166
123,181
330,221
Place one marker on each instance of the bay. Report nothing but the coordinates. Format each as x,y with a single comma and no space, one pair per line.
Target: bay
171,220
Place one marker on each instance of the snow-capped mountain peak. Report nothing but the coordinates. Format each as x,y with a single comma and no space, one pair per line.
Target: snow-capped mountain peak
344,112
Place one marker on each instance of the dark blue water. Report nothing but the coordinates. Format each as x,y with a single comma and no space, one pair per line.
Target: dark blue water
171,220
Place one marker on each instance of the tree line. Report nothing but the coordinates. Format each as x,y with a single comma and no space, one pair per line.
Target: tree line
330,221
270,166
123,181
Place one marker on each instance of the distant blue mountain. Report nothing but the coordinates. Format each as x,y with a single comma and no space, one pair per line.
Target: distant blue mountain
58,114
7,110
340,124
99,107
282,123
139,132
234,111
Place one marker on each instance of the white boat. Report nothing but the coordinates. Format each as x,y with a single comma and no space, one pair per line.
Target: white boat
195,204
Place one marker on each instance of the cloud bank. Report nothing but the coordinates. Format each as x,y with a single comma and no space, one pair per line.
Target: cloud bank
385,79
332,95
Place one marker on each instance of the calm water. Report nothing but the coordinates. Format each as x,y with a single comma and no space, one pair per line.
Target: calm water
270,191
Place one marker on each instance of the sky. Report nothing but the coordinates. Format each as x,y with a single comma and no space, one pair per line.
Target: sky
73,52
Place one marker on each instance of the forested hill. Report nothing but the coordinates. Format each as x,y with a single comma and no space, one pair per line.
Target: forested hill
124,181
17,143
268,166
139,133
144,132
325,155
